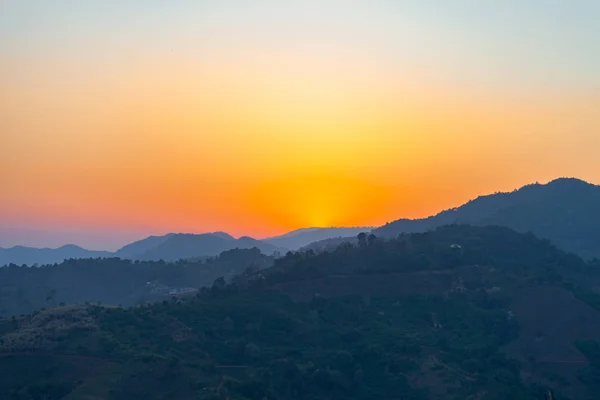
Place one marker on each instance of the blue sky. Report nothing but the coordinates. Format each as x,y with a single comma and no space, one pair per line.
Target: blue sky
495,42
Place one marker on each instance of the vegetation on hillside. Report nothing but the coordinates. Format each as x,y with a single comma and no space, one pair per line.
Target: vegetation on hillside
113,281
438,315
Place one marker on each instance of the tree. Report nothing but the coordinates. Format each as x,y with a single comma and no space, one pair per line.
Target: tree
362,239
219,286
219,283
371,239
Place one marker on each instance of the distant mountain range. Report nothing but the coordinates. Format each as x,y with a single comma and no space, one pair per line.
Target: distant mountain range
31,255
175,246
170,247
565,211
302,237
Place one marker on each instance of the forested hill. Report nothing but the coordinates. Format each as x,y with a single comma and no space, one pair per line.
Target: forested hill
115,281
565,211
458,313
445,248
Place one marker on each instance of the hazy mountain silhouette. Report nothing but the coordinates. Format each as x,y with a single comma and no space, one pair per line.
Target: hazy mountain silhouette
181,246
136,249
565,211
223,235
29,255
169,247
141,246
297,239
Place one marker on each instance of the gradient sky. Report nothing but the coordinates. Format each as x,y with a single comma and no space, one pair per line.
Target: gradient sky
120,119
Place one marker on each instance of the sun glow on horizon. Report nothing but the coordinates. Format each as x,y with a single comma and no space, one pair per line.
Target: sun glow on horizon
258,119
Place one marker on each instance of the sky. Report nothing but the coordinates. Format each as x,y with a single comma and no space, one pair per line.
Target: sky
120,119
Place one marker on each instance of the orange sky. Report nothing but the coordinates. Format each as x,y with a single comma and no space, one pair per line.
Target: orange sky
146,135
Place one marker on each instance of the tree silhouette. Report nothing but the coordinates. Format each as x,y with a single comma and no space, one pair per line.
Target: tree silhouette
371,239
362,239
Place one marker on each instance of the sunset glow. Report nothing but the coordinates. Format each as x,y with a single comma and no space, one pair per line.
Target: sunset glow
256,119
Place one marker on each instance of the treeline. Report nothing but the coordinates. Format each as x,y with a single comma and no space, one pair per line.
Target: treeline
445,248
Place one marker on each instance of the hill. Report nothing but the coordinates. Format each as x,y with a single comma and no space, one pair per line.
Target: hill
565,211
132,250
458,313
182,246
115,281
297,239
28,255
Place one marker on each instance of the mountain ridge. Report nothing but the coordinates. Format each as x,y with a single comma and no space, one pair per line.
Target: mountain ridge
154,247
186,245
565,211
